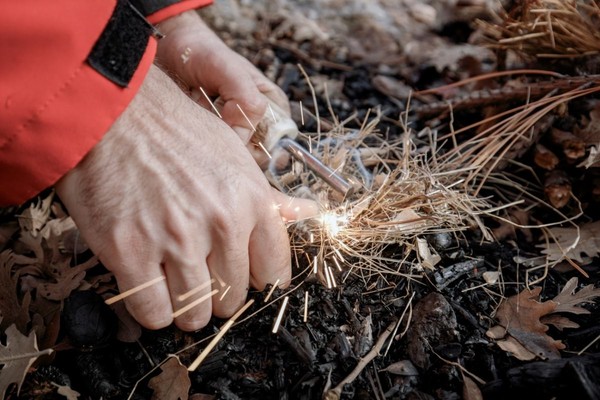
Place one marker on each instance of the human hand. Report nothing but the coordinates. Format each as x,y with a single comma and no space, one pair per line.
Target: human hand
171,191
191,52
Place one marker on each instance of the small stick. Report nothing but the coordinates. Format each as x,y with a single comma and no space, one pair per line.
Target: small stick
218,337
280,315
134,290
336,392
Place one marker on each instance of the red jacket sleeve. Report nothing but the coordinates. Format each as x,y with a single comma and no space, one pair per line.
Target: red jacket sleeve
54,106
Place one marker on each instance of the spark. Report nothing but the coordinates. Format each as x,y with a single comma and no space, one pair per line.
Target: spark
272,113
327,277
196,290
212,105
305,317
280,315
195,303
218,337
337,264
224,293
333,282
245,116
301,113
333,223
315,265
264,149
134,290
272,290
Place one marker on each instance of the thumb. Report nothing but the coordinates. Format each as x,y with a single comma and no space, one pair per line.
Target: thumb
294,208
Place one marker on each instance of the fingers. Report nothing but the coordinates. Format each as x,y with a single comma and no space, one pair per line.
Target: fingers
270,258
293,208
141,280
190,289
229,266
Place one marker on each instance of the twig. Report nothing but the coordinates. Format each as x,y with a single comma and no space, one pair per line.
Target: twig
336,392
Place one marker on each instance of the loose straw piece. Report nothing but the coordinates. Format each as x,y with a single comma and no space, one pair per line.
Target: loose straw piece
280,315
195,303
221,333
134,290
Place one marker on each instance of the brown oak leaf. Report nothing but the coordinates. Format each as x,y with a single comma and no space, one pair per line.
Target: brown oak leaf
12,309
173,383
17,356
520,316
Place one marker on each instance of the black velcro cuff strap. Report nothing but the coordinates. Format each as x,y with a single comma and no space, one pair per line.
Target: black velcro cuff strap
121,46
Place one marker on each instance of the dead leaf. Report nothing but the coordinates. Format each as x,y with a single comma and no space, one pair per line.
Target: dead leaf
34,218
470,389
515,348
17,356
404,368
66,391
520,316
568,299
579,245
173,383
12,309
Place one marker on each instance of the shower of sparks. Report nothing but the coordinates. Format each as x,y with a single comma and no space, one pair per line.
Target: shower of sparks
404,195
280,315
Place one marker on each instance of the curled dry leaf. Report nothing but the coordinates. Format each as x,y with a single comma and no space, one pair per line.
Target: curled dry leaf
173,383
35,217
66,391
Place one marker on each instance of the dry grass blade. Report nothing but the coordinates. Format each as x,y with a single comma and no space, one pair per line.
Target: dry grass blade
401,195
